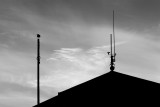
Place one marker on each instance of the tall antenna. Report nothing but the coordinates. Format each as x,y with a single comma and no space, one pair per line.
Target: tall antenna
38,65
112,54
114,36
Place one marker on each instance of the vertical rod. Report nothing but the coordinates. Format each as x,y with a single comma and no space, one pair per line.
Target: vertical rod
111,43
113,34
38,65
113,22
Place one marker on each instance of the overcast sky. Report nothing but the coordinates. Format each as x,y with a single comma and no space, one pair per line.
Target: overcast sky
74,38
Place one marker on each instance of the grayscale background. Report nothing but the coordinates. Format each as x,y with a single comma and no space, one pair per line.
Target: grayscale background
74,44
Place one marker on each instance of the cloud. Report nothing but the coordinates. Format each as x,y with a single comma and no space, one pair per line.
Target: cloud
70,67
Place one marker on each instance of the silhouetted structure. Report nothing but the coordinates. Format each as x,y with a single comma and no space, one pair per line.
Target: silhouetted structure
112,54
109,89
112,65
38,65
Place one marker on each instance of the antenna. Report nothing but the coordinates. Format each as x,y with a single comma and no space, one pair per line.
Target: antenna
38,65
112,54
114,37
111,43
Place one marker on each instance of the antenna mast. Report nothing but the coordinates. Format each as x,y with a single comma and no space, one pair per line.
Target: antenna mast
38,65
114,36
111,43
112,54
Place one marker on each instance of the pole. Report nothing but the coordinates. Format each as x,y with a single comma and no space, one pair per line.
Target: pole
111,43
113,35
38,65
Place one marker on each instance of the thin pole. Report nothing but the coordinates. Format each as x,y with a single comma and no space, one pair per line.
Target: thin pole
113,34
38,65
111,43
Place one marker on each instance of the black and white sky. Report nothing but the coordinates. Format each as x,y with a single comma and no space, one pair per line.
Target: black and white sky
74,36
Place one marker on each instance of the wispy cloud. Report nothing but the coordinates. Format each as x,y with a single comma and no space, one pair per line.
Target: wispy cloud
72,66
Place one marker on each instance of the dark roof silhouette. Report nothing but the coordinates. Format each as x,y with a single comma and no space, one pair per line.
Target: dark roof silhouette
104,90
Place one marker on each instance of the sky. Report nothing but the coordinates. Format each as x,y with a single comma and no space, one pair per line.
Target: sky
74,44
